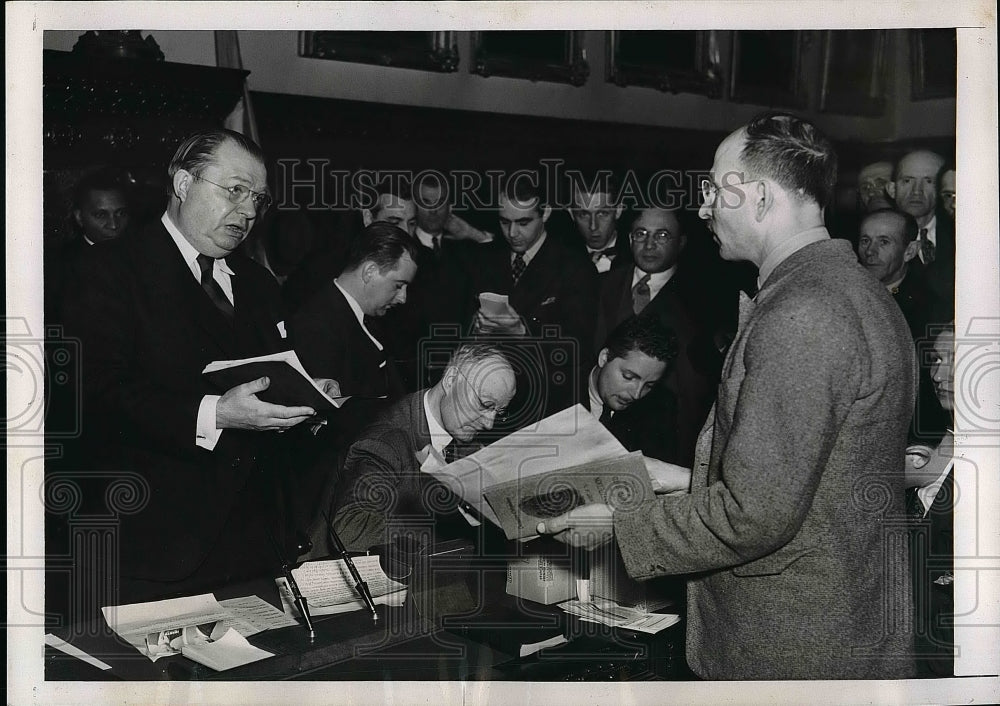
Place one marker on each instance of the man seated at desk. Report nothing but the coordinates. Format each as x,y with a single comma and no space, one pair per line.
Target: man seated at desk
624,389
384,491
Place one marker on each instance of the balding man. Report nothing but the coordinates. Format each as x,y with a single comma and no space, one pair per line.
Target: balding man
384,492
914,189
154,310
794,571
873,179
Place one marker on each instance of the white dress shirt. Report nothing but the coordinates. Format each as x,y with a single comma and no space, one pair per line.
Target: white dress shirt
206,433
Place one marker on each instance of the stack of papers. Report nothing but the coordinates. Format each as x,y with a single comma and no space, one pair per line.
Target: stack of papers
165,628
613,615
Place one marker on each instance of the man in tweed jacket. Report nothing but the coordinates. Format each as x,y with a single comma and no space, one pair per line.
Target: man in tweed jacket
790,534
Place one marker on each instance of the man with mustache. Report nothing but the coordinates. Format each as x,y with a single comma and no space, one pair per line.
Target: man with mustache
153,310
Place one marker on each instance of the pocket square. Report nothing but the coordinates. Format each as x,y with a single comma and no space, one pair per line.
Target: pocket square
550,300
281,329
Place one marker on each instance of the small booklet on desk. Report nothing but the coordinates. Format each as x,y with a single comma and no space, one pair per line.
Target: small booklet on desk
290,386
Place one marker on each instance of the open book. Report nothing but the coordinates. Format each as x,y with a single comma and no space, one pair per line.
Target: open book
291,385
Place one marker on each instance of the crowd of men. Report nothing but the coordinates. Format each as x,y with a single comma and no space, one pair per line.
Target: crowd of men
763,411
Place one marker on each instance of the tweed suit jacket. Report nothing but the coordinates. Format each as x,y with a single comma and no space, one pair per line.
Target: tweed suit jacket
788,527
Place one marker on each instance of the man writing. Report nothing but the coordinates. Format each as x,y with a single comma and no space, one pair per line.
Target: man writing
793,568
152,312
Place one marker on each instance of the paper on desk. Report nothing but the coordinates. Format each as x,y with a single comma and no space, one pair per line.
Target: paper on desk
609,613
229,651
329,587
73,651
250,615
568,438
137,621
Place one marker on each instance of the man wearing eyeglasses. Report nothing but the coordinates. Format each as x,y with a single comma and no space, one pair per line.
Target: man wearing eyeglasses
655,285
388,488
795,573
153,310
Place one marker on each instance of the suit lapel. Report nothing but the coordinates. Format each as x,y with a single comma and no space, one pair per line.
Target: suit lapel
168,272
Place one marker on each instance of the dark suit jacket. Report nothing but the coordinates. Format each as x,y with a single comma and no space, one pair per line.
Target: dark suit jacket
920,306
147,330
557,297
383,492
331,344
687,380
649,425
796,573
562,226
436,308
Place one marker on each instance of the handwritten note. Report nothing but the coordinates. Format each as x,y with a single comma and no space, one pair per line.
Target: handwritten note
250,615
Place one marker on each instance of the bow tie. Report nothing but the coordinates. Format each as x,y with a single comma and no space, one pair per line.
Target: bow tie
606,252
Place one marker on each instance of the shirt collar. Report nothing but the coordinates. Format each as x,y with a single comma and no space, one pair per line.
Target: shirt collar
530,253
427,239
188,251
656,279
612,243
359,314
596,403
439,437
786,247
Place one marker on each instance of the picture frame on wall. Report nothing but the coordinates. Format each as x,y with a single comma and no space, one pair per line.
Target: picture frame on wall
678,61
766,68
536,55
854,78
427,51
934,63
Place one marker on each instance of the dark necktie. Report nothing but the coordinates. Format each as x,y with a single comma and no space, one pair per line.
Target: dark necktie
605,415
517,267
451,452
926,247
212,288
640,294
436,240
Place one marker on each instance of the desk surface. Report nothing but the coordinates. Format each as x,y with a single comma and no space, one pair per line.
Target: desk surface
480,645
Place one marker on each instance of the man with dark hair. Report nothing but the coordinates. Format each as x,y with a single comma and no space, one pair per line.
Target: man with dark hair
624,389
153,310
385,491
393,205
795,574
101,206
551,294
596,209
332,332
658,286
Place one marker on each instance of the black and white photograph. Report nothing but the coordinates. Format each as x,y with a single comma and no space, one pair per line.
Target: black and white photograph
454,352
